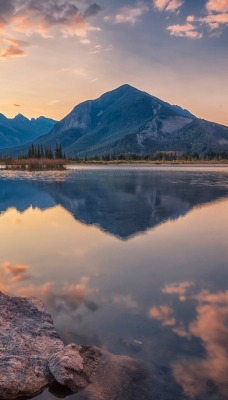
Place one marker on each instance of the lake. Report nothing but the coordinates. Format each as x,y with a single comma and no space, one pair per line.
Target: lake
133,259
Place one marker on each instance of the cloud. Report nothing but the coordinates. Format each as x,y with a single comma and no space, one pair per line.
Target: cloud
180,288
168,5
214,21
210,327
93,10
66,299
42,17
193,26
128,14
12,48
215,298
85,41
17,220
100,49
13,273
217,16
6,11
164,314
126,301
187,30
217,6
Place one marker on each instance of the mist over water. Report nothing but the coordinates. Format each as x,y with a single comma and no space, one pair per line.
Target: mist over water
131,259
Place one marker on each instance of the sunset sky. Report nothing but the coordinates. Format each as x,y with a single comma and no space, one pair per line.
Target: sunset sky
56,53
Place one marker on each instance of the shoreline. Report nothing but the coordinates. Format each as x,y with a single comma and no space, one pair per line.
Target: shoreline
120,163
148,163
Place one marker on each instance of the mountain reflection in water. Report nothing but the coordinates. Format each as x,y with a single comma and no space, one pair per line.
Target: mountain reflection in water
160,297
123,204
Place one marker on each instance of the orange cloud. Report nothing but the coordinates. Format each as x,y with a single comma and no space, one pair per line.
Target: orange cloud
217,298
214,21
68,298
43,17
17,272
211,327
217,6
164,314
128,14
174,5
11,47
217,16
187,30
180,289
167,5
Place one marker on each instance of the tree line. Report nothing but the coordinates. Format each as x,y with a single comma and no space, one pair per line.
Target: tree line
157,156
39,151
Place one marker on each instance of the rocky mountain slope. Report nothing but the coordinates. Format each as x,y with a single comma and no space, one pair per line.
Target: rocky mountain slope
121,120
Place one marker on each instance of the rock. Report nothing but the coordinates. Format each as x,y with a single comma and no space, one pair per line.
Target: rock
75,366
33,357
28,339
102,375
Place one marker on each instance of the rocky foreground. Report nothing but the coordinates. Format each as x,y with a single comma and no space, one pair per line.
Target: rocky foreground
33,357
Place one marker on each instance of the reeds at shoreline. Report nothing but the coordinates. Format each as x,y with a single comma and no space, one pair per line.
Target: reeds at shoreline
35,164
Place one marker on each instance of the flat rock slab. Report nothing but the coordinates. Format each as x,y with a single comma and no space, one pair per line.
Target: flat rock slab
28,339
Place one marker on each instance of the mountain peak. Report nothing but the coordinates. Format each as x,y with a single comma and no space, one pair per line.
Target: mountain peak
126,88
20,117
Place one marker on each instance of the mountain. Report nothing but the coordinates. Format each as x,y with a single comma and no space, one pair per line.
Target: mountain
127,120
115,122
20,130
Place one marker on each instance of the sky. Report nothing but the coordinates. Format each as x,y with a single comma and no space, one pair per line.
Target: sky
55,54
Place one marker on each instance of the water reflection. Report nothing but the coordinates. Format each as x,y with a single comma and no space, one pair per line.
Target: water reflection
123,203
160,297
200,377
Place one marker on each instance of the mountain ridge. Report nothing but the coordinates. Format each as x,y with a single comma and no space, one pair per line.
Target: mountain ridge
21,130
127,120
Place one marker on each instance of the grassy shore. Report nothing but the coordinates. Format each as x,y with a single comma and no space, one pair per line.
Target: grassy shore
61,164
33,164
146,162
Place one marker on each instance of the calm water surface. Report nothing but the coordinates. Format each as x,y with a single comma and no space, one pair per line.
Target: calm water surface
131,259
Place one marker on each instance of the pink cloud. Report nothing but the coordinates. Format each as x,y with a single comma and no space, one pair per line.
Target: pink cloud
219,6
163,313
214,21
187,30
11,47
168,5
44,18
212,329
13,273
128,14
180,289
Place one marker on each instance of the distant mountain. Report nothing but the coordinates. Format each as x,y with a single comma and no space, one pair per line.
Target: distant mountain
20,130
129,120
